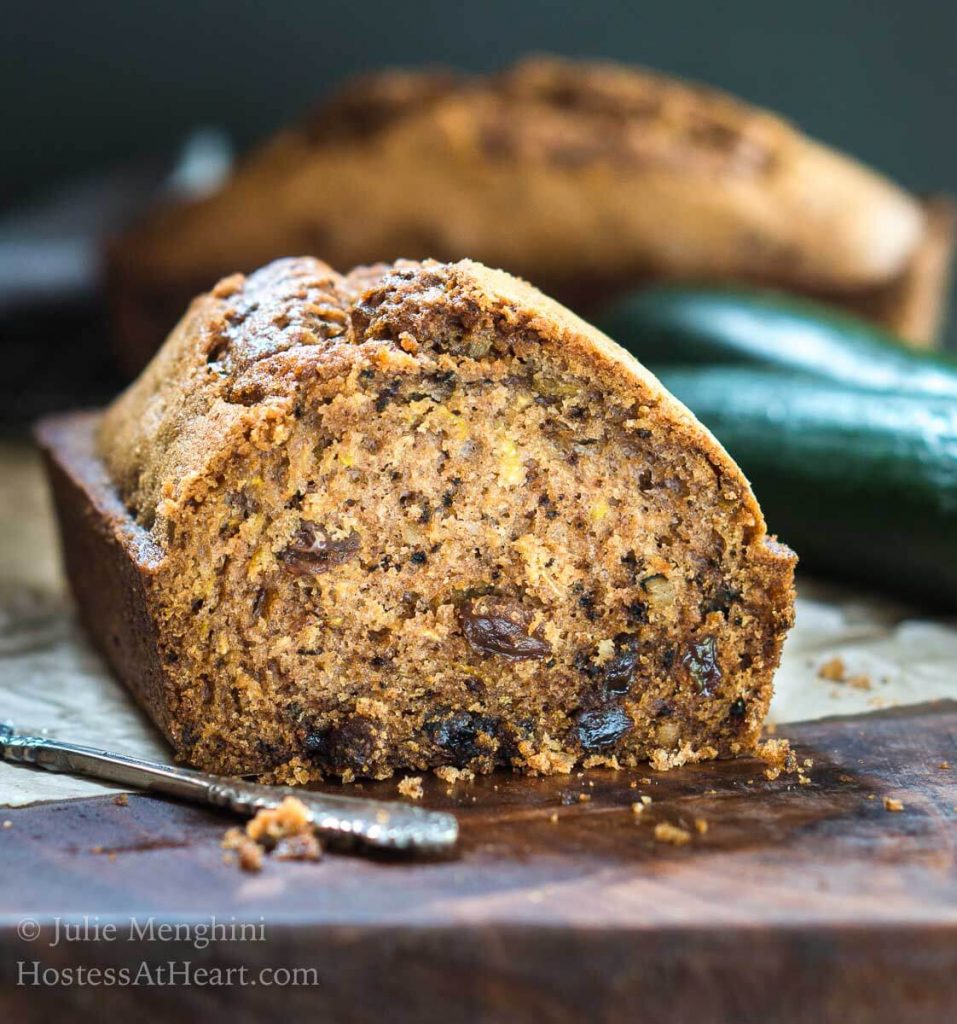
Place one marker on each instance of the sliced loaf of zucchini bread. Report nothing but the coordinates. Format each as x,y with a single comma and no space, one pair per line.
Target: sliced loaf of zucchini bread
418,516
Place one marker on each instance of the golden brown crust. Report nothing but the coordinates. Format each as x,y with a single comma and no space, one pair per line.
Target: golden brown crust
584,178
167,428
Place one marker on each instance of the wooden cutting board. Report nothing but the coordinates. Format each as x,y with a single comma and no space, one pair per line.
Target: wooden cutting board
799,903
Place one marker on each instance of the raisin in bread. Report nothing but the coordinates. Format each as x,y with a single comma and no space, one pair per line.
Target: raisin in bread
417,516
585,179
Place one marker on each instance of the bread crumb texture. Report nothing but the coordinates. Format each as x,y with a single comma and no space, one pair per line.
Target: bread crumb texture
781,759
421,517
411,787
833,669
286,832
450,774
673,834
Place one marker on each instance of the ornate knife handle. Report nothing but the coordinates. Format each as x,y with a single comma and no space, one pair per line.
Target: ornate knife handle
341,820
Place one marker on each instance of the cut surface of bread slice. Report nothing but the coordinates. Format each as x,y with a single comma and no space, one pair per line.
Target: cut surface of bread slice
588,179
419,516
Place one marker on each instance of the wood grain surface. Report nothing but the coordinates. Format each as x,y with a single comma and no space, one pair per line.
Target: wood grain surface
799,903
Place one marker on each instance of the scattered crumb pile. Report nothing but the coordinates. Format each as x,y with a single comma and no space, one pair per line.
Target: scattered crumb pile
285,832
781,759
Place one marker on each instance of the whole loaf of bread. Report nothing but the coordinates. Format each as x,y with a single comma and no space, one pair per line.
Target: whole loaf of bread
585,179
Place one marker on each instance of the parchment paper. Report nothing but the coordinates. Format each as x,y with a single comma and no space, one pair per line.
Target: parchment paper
51,679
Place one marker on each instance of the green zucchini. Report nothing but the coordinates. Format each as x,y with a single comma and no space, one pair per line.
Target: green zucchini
682,325
863,487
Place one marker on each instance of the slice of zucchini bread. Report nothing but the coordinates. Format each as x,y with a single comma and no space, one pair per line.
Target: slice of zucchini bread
421,515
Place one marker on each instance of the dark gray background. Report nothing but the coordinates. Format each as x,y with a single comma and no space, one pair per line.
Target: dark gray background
85,85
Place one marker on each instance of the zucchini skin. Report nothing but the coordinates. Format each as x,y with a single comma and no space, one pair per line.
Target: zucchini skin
688,326
864,488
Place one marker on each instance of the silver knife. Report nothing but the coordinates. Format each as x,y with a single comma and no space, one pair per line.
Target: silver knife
341,820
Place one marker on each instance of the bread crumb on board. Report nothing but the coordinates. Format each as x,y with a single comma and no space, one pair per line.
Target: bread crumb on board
273,823
411,787
672,834
781,759
122,800
285,831
892,804
245,851
452,775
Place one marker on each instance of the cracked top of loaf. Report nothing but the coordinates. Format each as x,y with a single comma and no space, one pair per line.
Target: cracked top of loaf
244,353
